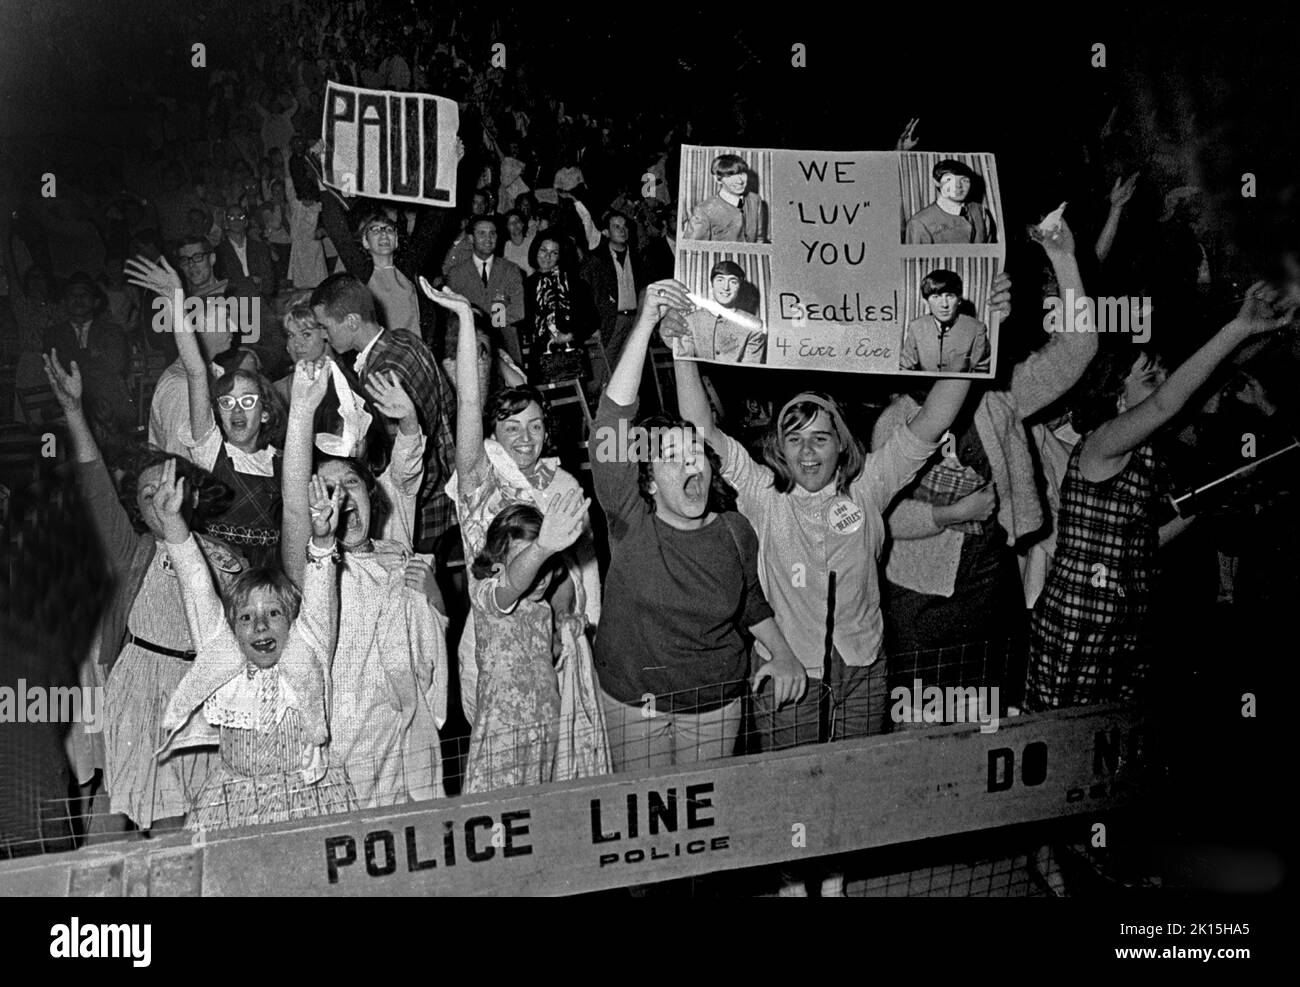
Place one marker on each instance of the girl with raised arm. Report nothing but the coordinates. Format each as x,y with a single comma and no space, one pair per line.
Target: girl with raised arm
683,586
389,671
1087,640
235,430
516,733
146,641
259,683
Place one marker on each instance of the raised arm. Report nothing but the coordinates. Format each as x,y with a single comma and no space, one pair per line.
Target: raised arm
112,526
665,299
1106,447
406,462
1055,367
163,280
317,622
1119,196
561,527
310,382
693,402
941,406
333,216
469,402
203,611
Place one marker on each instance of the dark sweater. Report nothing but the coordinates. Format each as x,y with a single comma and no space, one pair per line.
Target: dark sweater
676,600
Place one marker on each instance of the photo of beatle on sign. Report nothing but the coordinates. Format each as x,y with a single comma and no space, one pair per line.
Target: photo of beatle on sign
862,262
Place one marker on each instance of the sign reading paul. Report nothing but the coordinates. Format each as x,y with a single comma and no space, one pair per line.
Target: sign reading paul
391,145
869,262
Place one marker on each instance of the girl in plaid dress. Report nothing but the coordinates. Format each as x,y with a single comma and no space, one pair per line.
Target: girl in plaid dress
1086,639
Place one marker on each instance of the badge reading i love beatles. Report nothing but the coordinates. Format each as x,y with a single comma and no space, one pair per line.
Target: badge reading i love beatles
844,516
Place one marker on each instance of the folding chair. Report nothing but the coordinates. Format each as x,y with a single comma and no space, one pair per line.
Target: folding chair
661,362
39,406
564,394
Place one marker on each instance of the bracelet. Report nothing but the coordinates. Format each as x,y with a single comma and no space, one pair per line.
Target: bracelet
335,554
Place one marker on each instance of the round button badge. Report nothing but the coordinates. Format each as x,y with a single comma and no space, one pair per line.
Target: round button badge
844,516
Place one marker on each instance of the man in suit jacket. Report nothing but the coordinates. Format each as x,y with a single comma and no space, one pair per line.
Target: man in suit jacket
99,347
615,276
246,264
493,284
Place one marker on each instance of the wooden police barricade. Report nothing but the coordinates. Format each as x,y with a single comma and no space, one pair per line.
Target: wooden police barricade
648,826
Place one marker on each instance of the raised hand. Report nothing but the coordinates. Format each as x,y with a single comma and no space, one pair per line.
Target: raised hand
160,278
907,139
1056,239
445,297
169,502
389,396
67,386
1263,310
310,382
1123,191
326,507
563,521
662,297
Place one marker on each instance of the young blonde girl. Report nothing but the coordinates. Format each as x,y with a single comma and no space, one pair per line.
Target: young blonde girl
259,683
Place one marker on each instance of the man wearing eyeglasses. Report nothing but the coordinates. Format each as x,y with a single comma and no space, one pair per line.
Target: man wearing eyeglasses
245,263
195,259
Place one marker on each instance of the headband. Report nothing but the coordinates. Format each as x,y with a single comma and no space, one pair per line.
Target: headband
832,412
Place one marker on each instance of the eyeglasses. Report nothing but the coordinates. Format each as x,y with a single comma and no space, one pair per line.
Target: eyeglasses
248,402
381,228
189,260
236,215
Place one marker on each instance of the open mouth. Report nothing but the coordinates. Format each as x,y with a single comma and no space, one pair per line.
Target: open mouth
809,466
694,487
264,645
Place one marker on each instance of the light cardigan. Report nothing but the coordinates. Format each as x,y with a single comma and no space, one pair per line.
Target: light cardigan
923,557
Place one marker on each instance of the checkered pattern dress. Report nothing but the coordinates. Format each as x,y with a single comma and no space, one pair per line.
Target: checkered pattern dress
1087,635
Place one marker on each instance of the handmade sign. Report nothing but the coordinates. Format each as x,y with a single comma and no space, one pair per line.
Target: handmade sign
390,145
876,262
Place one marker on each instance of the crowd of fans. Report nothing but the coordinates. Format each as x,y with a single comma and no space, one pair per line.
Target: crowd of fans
343,526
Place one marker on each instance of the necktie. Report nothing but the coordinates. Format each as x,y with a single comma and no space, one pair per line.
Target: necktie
485,274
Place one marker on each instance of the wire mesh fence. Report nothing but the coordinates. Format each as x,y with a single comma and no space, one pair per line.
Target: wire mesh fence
592,736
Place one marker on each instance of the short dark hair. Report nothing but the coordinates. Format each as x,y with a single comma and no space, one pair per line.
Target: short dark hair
728,267
568,262
722,495
187,241
342,295
485,218
273,429
725,165
951,166
512,400
937,282
214,496
379,505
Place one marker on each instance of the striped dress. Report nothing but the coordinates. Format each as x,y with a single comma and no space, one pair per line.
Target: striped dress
1087,641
